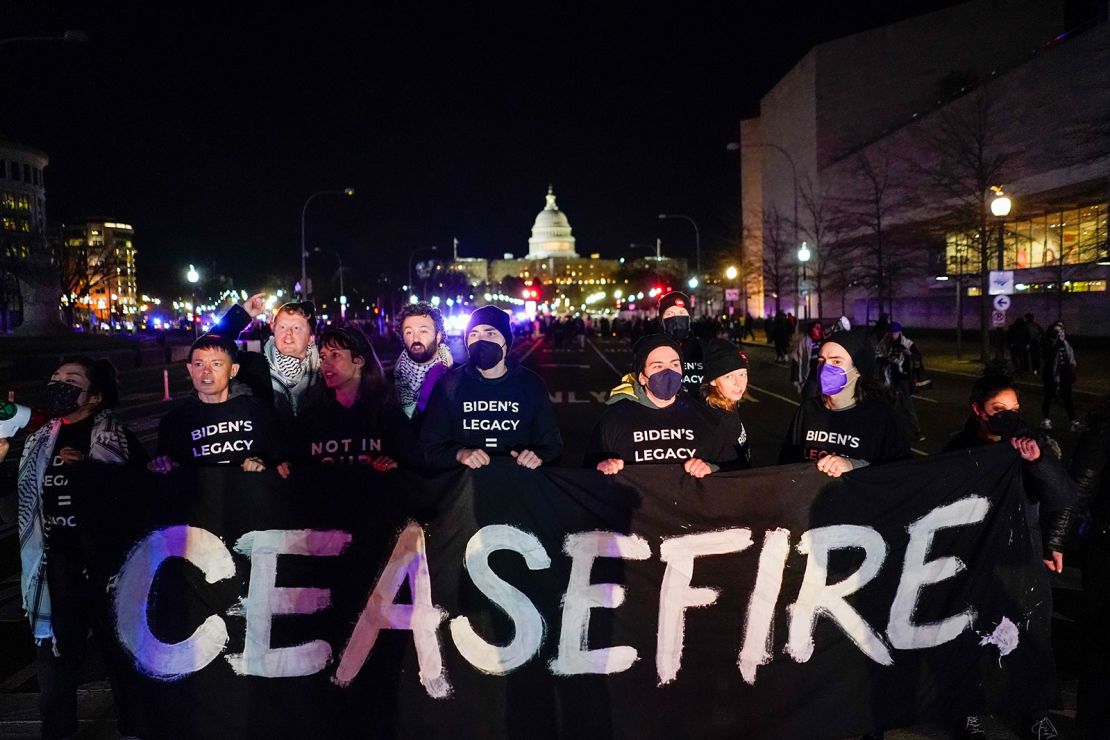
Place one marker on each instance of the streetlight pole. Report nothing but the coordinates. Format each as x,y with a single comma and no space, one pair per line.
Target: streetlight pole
803,256
304,271
194,277
72,36
735,146
697,245
342,293
412,254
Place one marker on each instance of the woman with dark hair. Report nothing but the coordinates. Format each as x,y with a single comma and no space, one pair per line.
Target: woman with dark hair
358,420
849,425
1047,492
59,489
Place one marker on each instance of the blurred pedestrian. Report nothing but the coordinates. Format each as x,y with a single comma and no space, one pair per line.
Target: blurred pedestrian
804,361
1058,375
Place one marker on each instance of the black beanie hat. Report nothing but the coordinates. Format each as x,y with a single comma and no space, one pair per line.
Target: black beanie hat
496,318
646,344
721,357
674,298
859,348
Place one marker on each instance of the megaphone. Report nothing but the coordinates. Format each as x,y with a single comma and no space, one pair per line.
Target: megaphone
13,417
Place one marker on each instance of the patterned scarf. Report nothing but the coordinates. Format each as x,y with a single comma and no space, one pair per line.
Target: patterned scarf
408,375
290,368
108,444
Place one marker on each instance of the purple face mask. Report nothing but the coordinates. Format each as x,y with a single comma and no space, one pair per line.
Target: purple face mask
833,379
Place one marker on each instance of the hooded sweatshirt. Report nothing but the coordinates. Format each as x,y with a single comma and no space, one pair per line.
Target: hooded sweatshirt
202,434
635,430
500,415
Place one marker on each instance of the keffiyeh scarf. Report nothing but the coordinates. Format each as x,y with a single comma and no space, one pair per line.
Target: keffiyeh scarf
108,445
409,375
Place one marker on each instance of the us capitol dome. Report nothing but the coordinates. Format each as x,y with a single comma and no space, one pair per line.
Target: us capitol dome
551,233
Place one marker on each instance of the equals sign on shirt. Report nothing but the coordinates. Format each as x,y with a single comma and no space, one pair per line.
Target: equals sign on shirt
491,441
64,500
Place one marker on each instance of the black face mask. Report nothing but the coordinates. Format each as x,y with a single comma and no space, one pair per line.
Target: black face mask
665,384
485,354
1004,424
61,399
678,327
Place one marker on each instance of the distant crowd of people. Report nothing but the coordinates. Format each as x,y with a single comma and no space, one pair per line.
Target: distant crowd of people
312,397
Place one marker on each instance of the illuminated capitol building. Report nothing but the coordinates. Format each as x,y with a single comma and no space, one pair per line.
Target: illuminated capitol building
564,279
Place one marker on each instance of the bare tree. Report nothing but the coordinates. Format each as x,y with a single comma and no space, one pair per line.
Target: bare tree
824,222
776,252
879,193
965,160
84,267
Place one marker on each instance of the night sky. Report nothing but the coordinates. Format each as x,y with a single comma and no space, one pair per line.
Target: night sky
206,128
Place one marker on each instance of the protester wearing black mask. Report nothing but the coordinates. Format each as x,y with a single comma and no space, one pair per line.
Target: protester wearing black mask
63,503
653,420
1048,492
674,312
488,406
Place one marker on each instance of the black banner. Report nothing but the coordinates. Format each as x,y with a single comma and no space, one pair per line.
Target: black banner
560,603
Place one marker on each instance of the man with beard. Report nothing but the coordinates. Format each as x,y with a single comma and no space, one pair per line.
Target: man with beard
425,358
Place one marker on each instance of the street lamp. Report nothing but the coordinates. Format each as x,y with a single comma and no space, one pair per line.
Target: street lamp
304,272
803,257
731,273
697,243
658,248
412,254
342,293
194,277
72,36
1000,207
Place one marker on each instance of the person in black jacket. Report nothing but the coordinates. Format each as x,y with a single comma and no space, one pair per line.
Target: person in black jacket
62,500
286,374
849,425
674,315
358,422
489,406
726,367
222,423
1048,492
651,419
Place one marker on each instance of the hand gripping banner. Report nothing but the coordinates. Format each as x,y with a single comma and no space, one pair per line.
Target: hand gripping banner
505,602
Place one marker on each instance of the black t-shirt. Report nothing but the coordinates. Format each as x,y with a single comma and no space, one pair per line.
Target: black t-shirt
468,411
693,368
225,433
732,429
62,485
331,433
869,431
638,434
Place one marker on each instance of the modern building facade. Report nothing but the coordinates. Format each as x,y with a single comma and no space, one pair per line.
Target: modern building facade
880,151
22,230
99,272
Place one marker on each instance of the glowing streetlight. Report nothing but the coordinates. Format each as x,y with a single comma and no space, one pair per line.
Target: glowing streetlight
731,273
1000,207
192,275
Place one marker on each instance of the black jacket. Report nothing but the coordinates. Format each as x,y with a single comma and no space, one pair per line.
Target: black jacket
1048,489
507,414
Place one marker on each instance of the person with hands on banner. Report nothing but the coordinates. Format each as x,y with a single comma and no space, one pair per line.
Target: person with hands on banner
848,425
1047,492
651,419
726,367
359,420
489,406
60,489
221,423
286,375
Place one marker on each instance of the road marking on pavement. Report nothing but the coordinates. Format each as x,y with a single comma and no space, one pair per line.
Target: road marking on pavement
606,359
563,364
790,401
919,452
923,398
532,349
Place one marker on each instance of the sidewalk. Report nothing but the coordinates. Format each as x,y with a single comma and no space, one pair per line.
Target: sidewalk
1092,377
